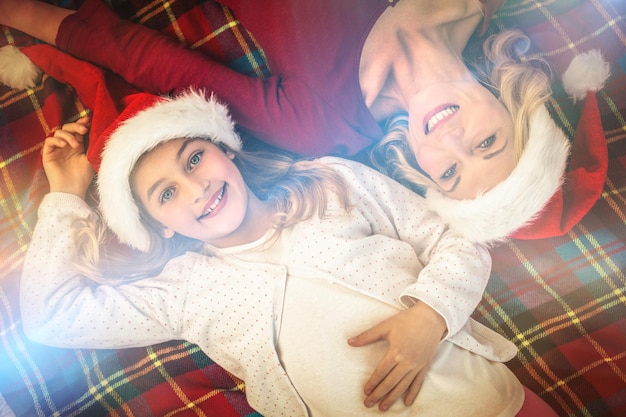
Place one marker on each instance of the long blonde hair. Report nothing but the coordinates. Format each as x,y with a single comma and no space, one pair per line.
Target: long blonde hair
297,189
520,82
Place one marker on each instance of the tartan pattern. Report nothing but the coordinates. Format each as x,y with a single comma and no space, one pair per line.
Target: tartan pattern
561,300
170,379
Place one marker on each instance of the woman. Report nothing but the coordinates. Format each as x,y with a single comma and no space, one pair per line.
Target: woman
335,84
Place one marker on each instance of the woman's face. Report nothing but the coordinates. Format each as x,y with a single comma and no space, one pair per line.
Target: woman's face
462,137
193,188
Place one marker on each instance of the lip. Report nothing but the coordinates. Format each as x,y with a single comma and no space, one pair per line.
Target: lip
428,116
215,204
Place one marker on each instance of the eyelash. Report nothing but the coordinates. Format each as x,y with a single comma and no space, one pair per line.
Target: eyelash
490,141
198,154
190,165
485,144
448,173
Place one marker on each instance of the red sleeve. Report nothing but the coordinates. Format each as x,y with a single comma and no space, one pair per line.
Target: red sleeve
282,112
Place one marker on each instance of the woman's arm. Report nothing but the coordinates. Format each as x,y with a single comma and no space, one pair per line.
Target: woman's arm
280,110
39,19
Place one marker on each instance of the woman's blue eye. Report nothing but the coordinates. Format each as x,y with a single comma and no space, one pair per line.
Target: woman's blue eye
195,159
449,173
167,194
487,142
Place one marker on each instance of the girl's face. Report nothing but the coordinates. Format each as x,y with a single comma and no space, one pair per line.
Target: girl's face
462,137
194,189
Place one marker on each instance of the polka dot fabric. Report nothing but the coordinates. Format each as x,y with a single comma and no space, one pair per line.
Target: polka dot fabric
388,247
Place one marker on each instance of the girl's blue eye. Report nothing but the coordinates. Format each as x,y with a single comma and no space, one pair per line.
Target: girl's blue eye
195,159
167,194
449,173
487,142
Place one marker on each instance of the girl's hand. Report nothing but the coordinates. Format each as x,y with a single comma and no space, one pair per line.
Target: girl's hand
64,159
413,336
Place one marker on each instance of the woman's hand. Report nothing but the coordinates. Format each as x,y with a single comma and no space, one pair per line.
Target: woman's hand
64,159
413,336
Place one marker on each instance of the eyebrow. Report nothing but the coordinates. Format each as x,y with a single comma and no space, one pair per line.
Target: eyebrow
488,156
456,184
494,153
180,152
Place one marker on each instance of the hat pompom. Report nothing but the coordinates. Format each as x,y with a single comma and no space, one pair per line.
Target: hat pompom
16,69
587,72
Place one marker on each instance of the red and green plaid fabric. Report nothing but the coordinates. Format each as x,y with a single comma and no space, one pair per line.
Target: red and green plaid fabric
561,300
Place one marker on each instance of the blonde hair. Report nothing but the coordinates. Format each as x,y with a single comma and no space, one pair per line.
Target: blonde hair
520,82
296,189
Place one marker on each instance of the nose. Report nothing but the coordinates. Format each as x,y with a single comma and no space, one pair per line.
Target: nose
196,188
447,141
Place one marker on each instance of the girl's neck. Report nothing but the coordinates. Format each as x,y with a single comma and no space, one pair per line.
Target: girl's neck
258,221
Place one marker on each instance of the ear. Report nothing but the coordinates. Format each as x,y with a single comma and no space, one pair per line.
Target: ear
168,233
230,155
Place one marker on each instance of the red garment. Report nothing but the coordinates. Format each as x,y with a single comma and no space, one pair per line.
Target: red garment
312,103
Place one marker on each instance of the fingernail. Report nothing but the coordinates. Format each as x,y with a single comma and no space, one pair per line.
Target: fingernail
368,404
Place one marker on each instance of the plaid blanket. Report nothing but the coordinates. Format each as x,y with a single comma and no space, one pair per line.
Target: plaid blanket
561,300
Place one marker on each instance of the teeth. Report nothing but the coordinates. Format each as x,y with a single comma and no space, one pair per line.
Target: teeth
215,203
440,116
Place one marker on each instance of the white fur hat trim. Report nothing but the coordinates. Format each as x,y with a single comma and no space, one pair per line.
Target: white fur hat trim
189,115
588,71
516,201
16,69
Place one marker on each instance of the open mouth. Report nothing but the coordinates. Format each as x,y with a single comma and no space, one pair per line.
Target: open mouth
438,117
216,202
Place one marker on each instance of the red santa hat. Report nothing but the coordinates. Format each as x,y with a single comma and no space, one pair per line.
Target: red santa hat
540,198
145,123
125,124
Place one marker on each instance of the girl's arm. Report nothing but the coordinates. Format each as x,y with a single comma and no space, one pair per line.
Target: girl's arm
64,159
439,303
61,307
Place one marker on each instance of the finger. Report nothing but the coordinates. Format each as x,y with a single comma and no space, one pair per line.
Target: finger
371,335
389,390
51,143
396,392
68,137
414,388
75,127
381,373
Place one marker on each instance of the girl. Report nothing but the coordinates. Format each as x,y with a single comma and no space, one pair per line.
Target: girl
335,85
240,252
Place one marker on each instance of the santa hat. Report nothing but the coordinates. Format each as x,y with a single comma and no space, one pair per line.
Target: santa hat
147,122
125,124
539,199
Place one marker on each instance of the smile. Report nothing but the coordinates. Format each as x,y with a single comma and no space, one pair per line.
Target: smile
214,205
440,115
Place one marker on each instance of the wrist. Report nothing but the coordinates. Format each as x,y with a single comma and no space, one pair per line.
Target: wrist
436,320
69,189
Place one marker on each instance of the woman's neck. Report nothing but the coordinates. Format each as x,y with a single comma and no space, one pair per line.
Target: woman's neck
402,53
